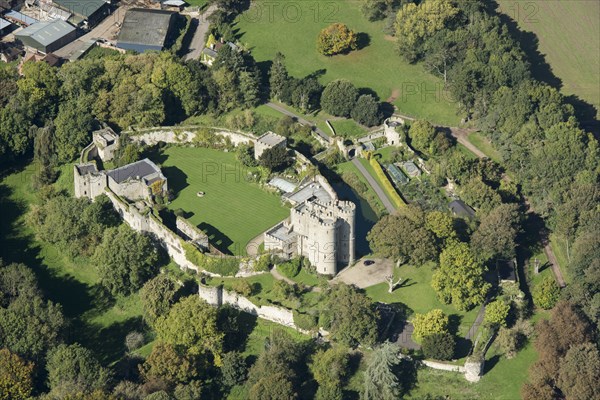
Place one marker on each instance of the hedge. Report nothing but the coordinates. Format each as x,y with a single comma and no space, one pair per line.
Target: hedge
225,266
387,185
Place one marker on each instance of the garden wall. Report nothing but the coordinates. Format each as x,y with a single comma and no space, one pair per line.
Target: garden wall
217,296
185,134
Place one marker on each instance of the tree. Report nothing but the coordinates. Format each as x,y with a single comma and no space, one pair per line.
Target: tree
352,315
234,369
306,94
29,326
579,373
441,224
74,124
278,77
496,313
439,346
339,98
479,195
192,324
496,235
376,9
16,280
134,340
170,365
74,369
433,322
366,111
459,279
125,260
275,158
381,376
546,293
421,135
403,237
329,367
157,295
335,39
16,376
275,387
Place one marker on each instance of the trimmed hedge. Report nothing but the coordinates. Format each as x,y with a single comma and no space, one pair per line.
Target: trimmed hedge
387,185
225,266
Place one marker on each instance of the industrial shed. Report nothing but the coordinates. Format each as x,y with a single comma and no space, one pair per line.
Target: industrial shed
47,36
145,29
84,13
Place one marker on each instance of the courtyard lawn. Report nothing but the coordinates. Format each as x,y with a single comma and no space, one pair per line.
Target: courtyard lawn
418,295
292,29
233,210
99,322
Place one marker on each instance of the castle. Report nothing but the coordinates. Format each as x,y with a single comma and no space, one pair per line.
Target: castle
141,180
321,228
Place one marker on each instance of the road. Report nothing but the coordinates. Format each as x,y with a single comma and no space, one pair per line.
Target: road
461,136
375,185
301,120
199,39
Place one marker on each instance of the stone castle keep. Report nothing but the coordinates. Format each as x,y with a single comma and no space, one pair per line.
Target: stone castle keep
140,180
321,228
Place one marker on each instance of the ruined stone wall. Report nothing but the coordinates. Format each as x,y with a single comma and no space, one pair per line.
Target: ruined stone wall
217,296
131,189
152,136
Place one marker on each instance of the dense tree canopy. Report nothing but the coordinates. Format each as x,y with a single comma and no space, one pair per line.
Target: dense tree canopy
157,295
366,111
381,377
339,98
497,233
16,376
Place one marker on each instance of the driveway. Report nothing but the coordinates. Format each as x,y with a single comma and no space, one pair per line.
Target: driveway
364,276
199,40
375,185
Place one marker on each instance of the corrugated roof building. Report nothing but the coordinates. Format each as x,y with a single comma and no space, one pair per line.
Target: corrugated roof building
145,29
85,13
47,36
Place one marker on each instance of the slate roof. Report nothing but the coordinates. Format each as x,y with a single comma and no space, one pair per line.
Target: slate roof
142,169
460,208
84,8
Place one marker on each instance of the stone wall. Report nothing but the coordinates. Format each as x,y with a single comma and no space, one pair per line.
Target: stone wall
194,234
443,366
185,134
217,296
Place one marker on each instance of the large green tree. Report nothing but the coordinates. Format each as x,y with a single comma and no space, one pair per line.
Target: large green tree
339,98
459,279
366,111
579,373
125,260
157,295
335,39
381,376
497,233
329,367
433,322
16,376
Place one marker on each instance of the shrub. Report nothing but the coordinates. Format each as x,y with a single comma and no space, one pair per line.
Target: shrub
306,322
439,346
339,98
263,264
366,111
242,287
335,39
290,268
234,369
496,313
546,293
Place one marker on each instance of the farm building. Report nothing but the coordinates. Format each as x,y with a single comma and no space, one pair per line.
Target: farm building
84,13
145,29
209,53
47,36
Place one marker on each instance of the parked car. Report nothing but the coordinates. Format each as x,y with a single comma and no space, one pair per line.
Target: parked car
368,262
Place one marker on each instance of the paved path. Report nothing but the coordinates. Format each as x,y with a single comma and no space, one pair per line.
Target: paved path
254,244
461,136
476,324
199,40
301,120
375,185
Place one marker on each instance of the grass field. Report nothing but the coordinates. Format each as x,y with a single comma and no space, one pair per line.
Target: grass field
292,28
418,295
569,37
484,145
98,321
233,211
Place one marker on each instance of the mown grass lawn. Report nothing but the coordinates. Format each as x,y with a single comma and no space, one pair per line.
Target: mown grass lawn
99,321
292,28
484,145
418,295
233,210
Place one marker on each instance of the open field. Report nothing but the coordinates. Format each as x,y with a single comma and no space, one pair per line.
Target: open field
484,145
99,322
292,28
234,210
569,38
